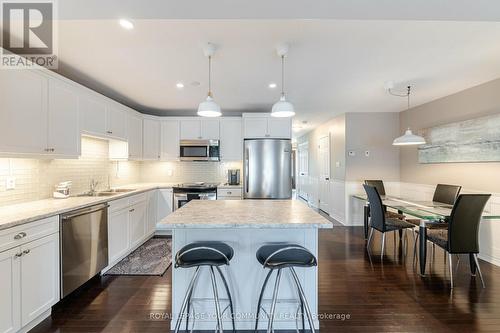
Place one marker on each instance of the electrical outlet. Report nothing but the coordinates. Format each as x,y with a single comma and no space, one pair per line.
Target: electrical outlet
170,172
352,153
10,183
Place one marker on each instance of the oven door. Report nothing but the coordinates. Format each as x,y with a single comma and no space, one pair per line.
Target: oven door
194,150
180,199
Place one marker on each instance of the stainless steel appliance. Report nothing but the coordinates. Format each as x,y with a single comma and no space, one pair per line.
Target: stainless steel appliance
84,246
267,169
199,150
184,193
233,177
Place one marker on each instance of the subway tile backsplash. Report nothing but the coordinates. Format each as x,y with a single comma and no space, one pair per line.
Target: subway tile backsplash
35,178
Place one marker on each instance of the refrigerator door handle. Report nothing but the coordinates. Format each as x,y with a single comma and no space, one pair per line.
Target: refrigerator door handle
247,165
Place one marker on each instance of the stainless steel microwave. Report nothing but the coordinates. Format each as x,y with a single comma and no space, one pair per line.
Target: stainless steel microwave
199,150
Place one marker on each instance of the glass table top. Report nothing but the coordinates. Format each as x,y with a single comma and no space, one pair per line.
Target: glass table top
427,210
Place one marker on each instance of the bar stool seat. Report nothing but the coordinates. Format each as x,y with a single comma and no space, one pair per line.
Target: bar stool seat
204,254
284,255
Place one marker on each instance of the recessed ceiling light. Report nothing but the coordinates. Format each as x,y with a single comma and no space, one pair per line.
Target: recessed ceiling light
126,24
180,85
272,85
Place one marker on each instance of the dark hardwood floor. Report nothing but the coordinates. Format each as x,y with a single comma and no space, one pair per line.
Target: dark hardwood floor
368,294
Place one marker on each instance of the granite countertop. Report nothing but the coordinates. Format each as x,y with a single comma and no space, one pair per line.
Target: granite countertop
227,186
19,214
208,214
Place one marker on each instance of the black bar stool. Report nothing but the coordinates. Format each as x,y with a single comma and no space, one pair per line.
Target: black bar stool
211,255
277,257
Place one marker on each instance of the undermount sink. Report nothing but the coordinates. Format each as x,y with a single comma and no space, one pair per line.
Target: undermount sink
106,193
120,190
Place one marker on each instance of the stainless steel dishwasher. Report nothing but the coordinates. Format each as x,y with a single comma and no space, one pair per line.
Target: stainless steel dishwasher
84,246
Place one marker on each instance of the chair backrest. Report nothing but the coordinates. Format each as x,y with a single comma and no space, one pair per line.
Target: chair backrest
377,211
446,193
378,184
464,223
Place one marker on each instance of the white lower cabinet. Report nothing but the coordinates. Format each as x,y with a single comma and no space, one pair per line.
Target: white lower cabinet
165,202
152,211
137,223
117,234
29,276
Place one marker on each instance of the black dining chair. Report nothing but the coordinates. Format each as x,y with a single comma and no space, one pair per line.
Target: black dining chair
462,234
379,185
378,219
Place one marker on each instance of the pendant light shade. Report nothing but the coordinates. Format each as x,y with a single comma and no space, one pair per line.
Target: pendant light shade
408,139
282,108
208,108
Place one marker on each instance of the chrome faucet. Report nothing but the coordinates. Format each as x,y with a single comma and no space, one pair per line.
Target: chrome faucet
93,186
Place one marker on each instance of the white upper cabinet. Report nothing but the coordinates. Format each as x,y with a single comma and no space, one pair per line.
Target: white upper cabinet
116,121
231,140
23,115
199,129
134,130
63,123
151,139
92,114
10,306
257,126
169,140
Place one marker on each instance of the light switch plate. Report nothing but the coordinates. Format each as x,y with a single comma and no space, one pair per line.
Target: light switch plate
170,172
337,164
10,183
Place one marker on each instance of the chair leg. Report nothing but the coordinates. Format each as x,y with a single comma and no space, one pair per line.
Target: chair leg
186,298
273,302
383,246
188,311
216,301
472,262
228,292
304,300
263,289
369,239
479,270
450,259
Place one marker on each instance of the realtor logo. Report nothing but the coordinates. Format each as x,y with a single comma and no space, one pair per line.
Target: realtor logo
28,31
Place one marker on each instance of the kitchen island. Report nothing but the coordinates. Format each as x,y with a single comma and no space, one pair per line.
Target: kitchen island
245,225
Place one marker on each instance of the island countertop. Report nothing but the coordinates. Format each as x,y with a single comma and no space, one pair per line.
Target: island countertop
212,214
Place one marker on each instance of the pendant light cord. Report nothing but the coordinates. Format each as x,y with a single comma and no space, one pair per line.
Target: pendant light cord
210,76
282,75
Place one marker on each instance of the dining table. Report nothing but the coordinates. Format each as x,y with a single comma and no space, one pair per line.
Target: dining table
428,212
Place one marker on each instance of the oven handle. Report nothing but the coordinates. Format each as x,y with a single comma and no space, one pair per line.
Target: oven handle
247,166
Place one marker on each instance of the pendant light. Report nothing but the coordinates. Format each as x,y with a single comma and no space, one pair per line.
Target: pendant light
282,108
209,108
408,139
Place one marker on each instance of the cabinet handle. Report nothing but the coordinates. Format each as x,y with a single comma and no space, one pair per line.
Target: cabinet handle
18,255
132,210
20,235
229,193
26,251
267,135
109,132
46,149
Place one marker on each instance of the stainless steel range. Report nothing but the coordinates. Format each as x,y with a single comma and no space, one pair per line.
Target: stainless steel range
183,193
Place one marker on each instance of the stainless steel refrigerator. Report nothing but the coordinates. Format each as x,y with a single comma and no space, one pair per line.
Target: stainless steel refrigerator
267,169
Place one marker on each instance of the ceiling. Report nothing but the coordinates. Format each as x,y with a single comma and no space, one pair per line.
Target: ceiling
341,52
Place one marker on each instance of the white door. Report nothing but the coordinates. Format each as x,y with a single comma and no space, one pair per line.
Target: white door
39,277
280,128
324,173
63,129
152,211
118,234
116,122
190,129
255,127
23,112
210,129
151,139
170,140
231,141
92,115
303,170
134,129
10,306
165,202
137,222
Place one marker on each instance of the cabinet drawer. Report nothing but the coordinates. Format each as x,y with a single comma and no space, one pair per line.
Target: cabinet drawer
138,198
22,234
119,204
229,192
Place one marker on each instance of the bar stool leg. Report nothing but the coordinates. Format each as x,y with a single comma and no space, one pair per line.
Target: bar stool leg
273,303
263,289
216,300
228,296
188,311
303,296
186,298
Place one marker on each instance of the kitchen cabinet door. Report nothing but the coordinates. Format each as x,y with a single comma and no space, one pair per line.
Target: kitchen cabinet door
279,128
231,141
39,277
134,129
170,140
210,129
23,115
92,114
10,306
152,211
190,129
137,223
116,122
255,127
118,234
63,119
151,139
165,202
